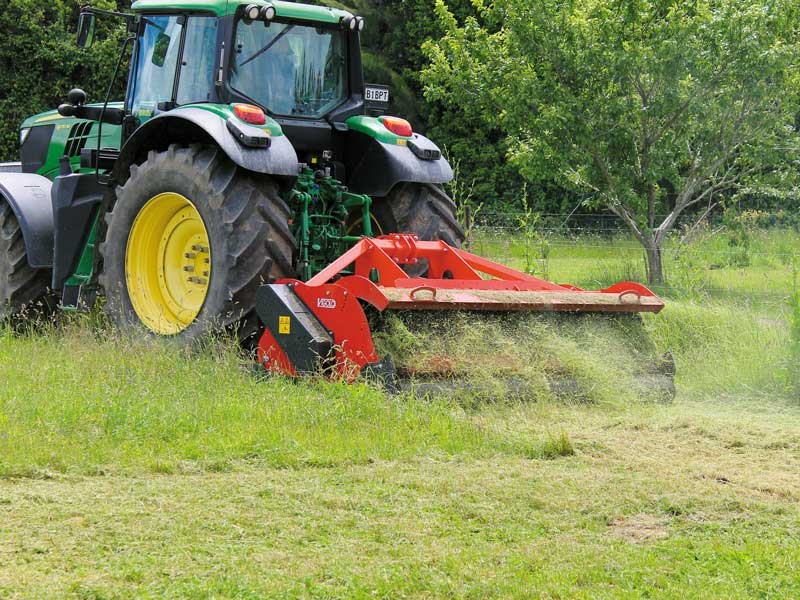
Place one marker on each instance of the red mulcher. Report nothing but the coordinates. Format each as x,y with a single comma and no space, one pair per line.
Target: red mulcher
320,324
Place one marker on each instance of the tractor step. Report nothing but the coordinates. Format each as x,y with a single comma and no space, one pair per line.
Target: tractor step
77,298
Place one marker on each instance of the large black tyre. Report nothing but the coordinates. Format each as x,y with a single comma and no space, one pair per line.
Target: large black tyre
420,208
248,234
22,288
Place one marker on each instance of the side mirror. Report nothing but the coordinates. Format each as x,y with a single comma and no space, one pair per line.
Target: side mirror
85,30
160,49
75,99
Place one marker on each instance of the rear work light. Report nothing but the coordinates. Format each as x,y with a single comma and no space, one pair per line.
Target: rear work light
397,126
252,11
250,114
350,22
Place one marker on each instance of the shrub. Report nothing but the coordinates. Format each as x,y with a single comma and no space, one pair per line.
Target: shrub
40,63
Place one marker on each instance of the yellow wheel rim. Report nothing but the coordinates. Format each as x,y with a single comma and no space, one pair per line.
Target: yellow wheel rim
168,263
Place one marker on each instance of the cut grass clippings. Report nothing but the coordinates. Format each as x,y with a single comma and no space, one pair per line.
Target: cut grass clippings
529,356
655,502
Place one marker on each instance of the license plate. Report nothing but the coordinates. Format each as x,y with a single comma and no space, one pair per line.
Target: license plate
376,94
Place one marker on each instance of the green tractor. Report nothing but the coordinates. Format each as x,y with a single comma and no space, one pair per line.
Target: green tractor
247,149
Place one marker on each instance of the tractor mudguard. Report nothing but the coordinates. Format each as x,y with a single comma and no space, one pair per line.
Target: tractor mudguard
76,198
193,124
28,195
383,165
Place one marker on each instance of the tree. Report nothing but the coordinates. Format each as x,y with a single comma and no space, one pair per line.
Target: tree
653,106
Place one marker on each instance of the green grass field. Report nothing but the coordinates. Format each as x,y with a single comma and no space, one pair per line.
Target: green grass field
129,468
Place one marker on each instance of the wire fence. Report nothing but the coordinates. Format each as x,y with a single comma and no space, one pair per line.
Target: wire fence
606,224
758,266
602,224
621,246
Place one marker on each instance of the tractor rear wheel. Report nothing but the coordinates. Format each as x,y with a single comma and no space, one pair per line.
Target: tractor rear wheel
420,208
190,239
21,287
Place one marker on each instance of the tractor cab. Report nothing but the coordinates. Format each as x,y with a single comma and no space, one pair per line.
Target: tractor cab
287,68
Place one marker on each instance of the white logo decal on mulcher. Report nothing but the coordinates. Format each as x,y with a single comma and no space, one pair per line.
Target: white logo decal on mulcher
326,303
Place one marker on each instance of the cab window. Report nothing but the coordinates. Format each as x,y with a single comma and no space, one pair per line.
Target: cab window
290,69
156,63
196,80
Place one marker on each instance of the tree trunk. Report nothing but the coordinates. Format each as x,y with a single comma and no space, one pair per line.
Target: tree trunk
655,268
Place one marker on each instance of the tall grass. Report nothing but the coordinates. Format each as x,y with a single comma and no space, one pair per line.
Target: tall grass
722,348
793,367
72,399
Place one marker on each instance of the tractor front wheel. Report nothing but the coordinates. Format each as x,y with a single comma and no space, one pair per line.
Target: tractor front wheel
189,240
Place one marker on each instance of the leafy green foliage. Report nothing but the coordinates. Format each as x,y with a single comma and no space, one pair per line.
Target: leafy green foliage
40,63
651,107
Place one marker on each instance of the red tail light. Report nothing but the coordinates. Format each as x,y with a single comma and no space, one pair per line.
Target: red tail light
397,126
250,114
